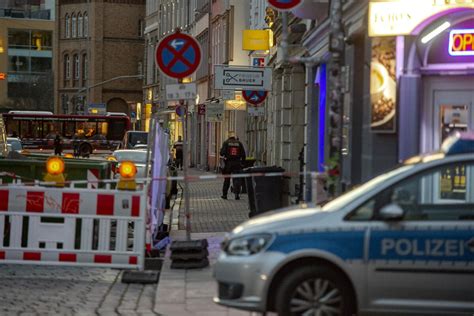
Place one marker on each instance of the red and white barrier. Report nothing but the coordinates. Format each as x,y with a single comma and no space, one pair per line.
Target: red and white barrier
87,227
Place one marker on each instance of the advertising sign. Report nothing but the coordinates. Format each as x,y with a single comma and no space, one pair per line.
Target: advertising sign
242,78
383,85
214,112
403,17
461,42
181,91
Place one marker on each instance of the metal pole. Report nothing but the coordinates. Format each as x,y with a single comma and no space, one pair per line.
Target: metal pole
256,138
185,171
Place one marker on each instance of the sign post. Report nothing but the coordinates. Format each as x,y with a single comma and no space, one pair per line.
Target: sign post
178,56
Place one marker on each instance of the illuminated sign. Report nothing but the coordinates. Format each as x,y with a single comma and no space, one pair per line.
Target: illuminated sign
255,40
3,76
461,42
404,17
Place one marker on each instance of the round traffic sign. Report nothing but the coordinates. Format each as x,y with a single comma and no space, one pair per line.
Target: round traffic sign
180,109
178,55
284,5
254,97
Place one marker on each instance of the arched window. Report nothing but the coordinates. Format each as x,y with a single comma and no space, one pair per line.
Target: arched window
86,24
67,26
67,67
77,70
74,26
80,25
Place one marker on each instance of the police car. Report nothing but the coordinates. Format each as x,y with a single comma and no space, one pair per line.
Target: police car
402,243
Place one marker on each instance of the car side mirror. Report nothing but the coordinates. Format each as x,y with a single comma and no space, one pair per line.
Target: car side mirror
391,212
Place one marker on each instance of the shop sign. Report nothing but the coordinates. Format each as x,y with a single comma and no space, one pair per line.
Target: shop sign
461,42
402,17
214,112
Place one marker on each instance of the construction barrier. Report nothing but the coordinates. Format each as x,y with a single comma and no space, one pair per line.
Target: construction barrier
72,226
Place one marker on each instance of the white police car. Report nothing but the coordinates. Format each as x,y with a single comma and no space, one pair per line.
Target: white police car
402,243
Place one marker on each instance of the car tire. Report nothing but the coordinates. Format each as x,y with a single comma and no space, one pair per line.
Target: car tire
85,150
319,288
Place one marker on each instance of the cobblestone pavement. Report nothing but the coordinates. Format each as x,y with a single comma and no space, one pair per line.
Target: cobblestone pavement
209,212
41,290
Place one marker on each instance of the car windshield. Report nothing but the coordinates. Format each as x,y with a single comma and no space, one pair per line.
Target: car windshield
341,201
138,138
15,144
137,156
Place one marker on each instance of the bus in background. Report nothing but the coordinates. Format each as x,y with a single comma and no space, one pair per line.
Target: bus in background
86,134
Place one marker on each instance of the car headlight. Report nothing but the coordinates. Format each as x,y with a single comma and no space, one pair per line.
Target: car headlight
248,245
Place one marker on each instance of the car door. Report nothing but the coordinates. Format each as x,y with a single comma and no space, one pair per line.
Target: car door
423,261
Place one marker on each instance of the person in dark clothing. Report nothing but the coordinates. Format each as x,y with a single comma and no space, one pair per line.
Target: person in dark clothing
233,153
178,147
58,147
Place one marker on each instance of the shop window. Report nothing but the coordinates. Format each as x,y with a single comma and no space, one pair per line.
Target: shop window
19,39
41,40
40,64
18,63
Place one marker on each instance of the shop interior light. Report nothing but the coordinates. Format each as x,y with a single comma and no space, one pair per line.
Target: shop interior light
440,29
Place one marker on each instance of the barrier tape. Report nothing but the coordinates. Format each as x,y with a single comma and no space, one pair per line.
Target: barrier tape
179,178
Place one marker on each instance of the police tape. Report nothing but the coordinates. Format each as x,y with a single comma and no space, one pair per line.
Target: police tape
189,178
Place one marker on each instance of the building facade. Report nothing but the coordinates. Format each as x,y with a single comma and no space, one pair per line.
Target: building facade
97,43
26,55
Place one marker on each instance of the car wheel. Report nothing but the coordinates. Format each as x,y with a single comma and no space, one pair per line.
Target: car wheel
85,150
313,290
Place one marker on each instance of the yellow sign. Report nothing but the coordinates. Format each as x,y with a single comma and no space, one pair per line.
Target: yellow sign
256,40
402,17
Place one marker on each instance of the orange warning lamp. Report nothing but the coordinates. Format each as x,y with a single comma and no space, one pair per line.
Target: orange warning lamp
69,156
127,171
54,171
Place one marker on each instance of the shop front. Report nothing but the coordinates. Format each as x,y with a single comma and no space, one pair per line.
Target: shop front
433,68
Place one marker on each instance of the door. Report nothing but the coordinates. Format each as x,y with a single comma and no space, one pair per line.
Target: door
423,261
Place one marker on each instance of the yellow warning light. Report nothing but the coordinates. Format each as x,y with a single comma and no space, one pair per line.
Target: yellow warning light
55,165
111,158
54,171
69,156
127,170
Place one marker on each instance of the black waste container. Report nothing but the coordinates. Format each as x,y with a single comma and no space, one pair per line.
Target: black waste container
248,163
264,193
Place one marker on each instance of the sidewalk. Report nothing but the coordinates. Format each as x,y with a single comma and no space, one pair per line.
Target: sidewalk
191,292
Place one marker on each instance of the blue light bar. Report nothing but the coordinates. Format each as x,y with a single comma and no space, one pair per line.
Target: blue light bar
459,143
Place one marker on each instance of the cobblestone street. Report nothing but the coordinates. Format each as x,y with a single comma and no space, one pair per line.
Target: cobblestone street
209,212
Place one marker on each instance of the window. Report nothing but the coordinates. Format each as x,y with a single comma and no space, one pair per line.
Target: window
140,28
67,67
85,72
74,26
67,26
80,25
19,39
440,194
86,25
41,40
77,70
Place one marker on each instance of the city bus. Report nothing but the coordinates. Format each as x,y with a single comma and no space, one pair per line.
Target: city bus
83,134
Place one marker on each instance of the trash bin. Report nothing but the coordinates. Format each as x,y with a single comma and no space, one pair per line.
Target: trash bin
264,193
248,163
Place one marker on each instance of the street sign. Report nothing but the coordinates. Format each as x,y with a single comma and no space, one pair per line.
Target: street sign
181,91
228,95
254,97
243,78
284,5
256,111
214,112
201,109
178,55
180,110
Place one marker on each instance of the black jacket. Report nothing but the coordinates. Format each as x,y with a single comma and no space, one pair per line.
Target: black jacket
233,150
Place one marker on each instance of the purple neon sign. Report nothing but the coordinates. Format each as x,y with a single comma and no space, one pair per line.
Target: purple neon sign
461,42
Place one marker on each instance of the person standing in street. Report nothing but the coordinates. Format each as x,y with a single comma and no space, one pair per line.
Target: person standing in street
178,147
58,147
233,153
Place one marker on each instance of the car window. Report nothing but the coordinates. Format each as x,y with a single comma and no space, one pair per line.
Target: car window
137,156
442,193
